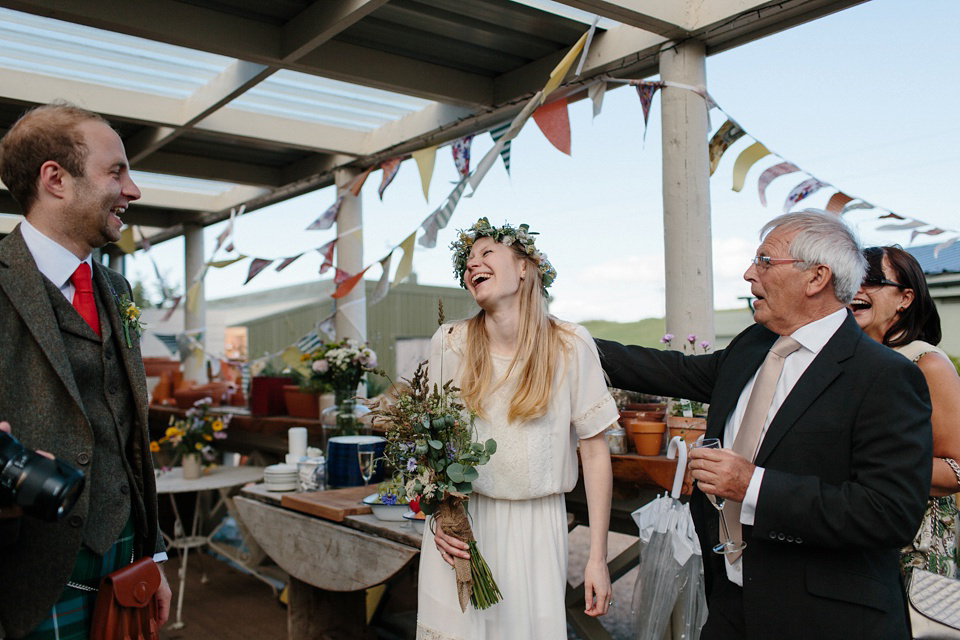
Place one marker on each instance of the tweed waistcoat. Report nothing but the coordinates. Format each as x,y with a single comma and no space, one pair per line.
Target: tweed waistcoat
109,406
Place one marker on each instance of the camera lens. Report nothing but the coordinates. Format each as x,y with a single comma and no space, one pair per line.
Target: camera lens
44,488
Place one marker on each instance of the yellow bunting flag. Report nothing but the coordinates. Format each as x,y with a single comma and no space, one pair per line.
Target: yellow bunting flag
554,121
425,160
220,264
728,133
348,285
560,72
192,294
126,243
405,267
745,160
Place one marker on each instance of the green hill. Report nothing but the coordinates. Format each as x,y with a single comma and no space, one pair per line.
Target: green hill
646,332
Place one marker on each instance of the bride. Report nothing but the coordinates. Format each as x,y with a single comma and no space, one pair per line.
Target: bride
537,387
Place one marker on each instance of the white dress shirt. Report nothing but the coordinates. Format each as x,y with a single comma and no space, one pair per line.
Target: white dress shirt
58,263
812,338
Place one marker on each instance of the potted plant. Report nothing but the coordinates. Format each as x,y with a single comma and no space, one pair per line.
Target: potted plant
190,439
266,392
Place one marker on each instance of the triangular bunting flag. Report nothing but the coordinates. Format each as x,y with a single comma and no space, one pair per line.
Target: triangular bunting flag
430,228
327,252
560,71
169,313
425,158
586,46
728,133
913,224
554,121
405,268
340,276
348,285
931,232
192,293
461,154
837,201
357,183
646,91
287,262
745,160
328,327
595,93
126,243
767,176
853,206
801,191
169,340
144,242
256,266
390,169
504,149
446,211
326,220
228,230
383,285
893,215
944,245
220,264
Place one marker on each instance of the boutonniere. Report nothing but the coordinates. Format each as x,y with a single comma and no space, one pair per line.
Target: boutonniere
129,316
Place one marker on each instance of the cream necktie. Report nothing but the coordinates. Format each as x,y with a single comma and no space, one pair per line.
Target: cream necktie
747,442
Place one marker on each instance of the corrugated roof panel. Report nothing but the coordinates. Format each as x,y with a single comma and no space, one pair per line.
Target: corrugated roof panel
64,50
180,184
948,261
301,96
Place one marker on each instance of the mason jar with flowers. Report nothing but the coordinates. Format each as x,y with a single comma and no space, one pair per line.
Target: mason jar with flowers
190,440
341,365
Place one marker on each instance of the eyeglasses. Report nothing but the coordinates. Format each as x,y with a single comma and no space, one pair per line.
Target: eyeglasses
765,262
873,283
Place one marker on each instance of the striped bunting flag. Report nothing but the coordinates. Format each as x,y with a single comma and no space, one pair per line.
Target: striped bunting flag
497,133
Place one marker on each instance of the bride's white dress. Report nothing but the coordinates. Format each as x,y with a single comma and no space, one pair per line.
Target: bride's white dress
517,509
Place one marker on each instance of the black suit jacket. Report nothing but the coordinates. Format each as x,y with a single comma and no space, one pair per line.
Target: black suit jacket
847,464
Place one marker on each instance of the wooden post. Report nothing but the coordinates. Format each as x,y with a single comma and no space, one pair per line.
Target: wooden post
686,195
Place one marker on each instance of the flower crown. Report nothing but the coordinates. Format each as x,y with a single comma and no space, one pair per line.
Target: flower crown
505,235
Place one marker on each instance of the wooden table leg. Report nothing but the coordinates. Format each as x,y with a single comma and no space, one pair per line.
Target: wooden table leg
328,615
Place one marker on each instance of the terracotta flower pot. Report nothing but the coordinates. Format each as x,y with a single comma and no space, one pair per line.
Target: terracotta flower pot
688,434
683,422
639,427
301,404
648,444
646,406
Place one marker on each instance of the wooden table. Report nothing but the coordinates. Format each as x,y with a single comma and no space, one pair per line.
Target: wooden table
331,564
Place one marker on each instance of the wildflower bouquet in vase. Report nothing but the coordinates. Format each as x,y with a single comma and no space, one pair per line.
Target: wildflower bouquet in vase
431,447
195,433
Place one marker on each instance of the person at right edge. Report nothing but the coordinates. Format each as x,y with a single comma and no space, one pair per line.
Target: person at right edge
830,477
894,307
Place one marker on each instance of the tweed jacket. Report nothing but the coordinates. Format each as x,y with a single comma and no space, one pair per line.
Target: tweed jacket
847,462
41,399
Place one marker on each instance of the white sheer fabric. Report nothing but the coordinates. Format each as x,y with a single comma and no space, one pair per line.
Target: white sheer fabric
518,511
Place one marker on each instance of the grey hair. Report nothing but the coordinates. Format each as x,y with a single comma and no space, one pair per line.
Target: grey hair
823,238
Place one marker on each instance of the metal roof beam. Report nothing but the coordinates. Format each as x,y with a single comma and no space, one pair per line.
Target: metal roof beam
669,19
320,22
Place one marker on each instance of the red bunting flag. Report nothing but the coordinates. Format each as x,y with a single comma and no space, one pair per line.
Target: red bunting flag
461,154
554,122
327,252
256,266
348,284
340,276
357,183
287,262
837,201
767,177
325,221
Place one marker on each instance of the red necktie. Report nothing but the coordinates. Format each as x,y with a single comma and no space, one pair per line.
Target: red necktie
83,296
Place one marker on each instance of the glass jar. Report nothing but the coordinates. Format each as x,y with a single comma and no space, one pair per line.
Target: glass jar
616,440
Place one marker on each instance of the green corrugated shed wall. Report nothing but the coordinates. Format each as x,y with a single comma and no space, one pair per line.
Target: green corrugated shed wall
408,311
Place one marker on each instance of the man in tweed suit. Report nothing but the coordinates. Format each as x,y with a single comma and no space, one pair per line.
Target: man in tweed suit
72,383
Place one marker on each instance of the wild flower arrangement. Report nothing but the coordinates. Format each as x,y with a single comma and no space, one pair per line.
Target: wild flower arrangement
194,433
339,365
505,235
130,317
431,448
392,491
667,339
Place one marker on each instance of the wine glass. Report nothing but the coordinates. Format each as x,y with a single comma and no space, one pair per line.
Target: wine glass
365,454
728,544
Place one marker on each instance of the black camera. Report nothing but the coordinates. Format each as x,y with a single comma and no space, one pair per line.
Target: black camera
43,488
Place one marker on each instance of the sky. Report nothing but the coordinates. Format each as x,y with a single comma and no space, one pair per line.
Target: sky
863,99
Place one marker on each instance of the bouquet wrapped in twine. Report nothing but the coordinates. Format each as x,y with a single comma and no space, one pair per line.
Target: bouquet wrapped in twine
431,448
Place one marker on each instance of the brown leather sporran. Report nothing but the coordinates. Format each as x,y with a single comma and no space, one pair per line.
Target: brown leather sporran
127,607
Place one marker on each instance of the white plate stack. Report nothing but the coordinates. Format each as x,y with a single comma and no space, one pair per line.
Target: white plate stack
280,477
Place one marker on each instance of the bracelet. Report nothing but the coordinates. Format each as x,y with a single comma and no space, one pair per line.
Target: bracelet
953,465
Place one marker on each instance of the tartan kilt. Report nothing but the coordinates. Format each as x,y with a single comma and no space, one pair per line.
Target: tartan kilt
71,614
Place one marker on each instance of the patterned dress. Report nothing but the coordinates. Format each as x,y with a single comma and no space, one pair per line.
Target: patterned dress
934,548
517,509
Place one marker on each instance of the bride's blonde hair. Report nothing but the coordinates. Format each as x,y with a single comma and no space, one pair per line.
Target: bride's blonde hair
540,348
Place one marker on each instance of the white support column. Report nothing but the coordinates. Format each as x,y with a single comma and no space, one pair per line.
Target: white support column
117,263
686,195
351,319
196,317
